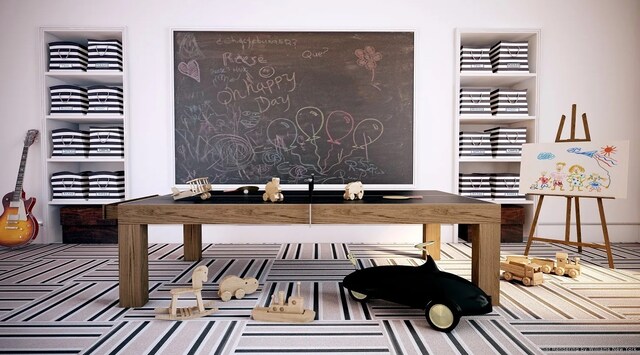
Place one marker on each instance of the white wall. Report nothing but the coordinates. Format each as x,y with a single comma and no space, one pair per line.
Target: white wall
589,56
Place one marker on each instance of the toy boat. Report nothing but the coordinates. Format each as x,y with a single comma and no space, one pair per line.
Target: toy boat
293,311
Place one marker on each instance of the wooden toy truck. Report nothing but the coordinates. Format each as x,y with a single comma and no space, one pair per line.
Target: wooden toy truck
528,273
561,266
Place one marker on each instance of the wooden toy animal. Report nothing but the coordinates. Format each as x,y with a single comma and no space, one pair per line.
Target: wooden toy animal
198,277
353,190
272,191
232,285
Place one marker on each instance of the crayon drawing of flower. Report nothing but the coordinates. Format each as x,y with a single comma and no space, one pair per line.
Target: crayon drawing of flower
367,58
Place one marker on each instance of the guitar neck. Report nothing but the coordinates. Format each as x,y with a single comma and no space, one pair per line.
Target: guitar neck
17,193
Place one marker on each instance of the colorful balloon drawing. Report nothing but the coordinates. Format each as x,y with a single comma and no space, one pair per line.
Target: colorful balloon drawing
310,121
282,133
339,126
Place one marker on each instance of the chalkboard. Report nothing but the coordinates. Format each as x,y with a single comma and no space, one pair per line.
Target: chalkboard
249,106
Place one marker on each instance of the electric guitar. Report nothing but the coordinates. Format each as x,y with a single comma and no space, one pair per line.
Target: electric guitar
17,225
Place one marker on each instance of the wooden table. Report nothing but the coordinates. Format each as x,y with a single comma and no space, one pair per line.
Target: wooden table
433,209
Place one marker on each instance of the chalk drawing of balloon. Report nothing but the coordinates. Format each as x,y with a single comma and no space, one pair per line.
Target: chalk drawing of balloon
339,125
367,131
229,153
310,121
282,133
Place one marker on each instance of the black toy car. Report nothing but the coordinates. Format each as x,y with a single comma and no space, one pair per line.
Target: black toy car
445,297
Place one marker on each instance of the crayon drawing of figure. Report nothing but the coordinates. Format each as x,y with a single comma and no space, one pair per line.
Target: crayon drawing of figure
558,176
576,177
595,182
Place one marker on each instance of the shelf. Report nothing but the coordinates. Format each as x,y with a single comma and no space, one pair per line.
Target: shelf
489,159
82,202
84,160
514,202
494,79
87,78
478,119
89,118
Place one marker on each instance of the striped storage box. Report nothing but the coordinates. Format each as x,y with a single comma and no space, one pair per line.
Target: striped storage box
106,185
106,141
506,186
69,142
105,99
105,55
476,185
507,142
509,102
475,144
475,59
507,57
68,99
475,101
68,56
69,185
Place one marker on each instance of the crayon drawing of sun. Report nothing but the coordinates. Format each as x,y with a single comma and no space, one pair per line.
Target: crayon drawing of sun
608,150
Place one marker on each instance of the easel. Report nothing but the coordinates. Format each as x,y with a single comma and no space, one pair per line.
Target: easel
566,241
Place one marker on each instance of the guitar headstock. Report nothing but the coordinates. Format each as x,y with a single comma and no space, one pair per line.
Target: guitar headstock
32,134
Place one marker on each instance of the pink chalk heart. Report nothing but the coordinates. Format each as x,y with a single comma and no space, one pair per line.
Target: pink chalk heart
191,69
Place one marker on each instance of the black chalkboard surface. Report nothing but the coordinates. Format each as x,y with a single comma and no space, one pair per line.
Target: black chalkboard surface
250,106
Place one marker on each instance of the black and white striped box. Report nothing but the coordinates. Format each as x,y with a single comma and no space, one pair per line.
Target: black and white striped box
105,99
475,59
473,144
69,142
507,142
68,99
67,56
475,101
506,186
105,55
106,141
70,185
476,185
509,102
106,185
508,57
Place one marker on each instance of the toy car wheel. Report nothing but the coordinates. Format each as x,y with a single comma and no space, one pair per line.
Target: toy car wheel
225,296
526,281
360,297
360,194
559,271
280,197
546,269
265,197
442,316
573,273
239,293
352,197
507,276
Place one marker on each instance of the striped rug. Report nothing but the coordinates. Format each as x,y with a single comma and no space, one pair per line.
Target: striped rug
63,299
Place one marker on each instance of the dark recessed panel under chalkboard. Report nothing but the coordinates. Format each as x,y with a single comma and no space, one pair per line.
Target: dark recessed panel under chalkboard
250,106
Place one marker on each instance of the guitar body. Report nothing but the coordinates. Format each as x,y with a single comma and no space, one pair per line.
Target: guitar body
18,226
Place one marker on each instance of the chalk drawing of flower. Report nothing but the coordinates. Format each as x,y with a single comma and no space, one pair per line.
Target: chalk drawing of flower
367,58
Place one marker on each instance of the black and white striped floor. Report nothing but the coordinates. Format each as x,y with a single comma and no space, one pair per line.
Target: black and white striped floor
63,299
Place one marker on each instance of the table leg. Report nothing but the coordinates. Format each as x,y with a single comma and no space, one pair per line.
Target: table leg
431,232
485,259
133,265
192,238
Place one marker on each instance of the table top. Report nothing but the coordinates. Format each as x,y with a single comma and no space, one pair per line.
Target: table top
320,197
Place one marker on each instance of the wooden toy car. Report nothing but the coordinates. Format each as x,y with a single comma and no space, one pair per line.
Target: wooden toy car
232,285
197,187
445,297
278,311
561,266
353,190
272,191
522,270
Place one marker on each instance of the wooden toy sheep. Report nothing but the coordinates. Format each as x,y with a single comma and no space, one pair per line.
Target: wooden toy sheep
272,191
353,190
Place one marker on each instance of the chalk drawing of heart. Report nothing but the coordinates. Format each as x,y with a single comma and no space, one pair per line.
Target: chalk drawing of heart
191,69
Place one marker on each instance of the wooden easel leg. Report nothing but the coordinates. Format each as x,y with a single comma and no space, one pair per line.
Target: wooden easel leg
567,222
431,232
605,231
578,225
533,225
